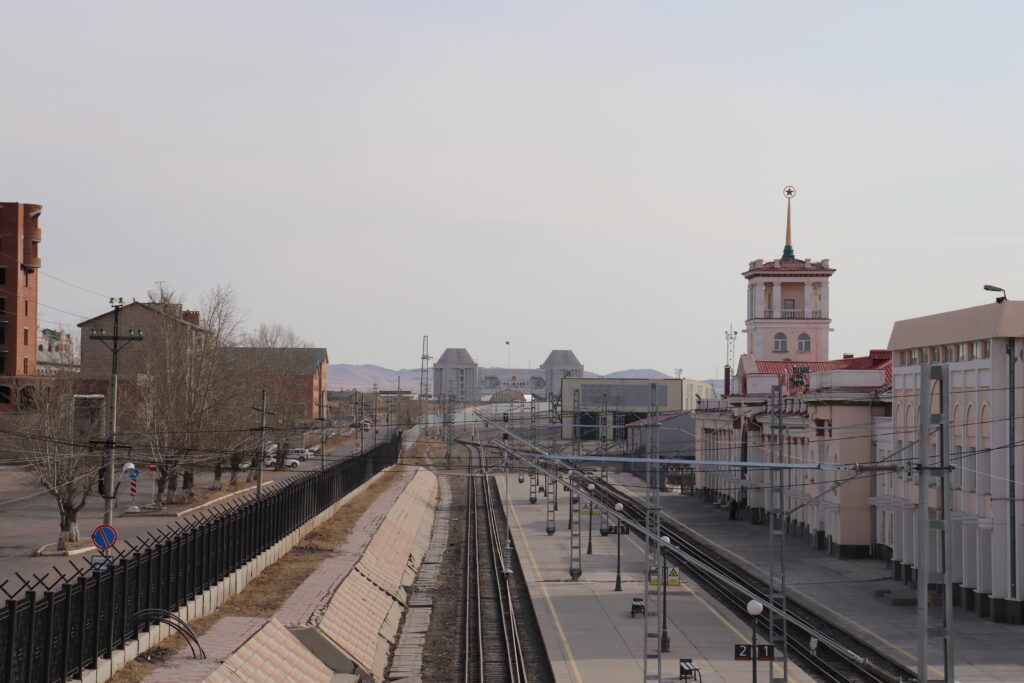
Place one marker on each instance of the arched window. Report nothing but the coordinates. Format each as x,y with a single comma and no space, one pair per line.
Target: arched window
803,342
780,343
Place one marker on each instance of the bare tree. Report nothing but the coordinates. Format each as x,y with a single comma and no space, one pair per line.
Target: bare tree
273,336
50,433
181,395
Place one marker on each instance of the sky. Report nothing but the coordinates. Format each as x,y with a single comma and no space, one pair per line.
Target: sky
584,175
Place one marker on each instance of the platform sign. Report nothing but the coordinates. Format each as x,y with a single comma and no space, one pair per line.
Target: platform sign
745,652
654,576
619,529
104,536
673,577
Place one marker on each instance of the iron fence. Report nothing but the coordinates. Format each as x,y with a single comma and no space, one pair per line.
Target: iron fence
58,633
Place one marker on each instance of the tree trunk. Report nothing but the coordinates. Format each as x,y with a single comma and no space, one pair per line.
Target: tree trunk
188,481
218,473
172,488
161,487
68,526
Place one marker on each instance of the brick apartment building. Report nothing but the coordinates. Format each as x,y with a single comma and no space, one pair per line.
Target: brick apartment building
19,286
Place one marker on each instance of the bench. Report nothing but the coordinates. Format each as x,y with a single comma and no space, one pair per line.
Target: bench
688,671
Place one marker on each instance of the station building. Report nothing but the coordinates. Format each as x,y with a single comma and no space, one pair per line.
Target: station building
457,373
603,407
828,411
983,348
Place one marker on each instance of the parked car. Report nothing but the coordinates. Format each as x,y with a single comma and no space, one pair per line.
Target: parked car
288,462
300,454
271,448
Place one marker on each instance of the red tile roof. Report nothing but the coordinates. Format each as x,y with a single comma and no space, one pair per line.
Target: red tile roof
877,359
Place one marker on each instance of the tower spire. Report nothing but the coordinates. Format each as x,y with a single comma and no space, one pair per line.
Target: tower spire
789,192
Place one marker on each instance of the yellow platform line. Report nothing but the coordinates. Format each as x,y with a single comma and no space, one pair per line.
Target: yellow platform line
574,669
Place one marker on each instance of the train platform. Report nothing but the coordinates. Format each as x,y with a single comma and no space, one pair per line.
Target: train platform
588,631
849,593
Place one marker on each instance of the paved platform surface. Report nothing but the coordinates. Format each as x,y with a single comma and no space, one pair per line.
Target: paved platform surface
844,591
588,631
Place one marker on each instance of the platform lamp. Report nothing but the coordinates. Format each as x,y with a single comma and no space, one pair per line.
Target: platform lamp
993,288
618,549
754,609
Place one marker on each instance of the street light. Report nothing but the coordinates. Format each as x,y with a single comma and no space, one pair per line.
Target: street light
754,609
664,594
590,525
994,288
618,550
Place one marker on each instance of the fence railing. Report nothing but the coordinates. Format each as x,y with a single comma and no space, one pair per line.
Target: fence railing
56,634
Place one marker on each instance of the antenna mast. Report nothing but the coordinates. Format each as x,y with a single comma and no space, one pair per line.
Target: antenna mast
424,370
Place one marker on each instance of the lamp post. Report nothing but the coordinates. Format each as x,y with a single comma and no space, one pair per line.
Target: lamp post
754,609
1011,355
590,524
618,550
664,594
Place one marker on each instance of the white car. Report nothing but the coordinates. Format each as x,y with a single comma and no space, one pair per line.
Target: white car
300,454
288,462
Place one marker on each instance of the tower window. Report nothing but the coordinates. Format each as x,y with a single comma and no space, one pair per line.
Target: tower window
803,342
780,343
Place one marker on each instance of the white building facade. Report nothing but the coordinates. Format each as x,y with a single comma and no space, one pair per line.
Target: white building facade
980,345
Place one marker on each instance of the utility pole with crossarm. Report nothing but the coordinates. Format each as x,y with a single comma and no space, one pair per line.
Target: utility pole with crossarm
115,342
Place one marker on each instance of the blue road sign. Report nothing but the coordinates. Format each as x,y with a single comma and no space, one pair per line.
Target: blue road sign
104,536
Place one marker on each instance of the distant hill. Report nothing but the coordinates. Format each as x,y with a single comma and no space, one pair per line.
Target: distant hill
363,377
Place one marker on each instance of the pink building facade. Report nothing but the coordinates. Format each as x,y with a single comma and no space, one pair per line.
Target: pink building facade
787,327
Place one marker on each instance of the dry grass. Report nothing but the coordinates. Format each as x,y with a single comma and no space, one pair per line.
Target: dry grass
274,585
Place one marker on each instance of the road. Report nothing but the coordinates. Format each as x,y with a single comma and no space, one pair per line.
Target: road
28,514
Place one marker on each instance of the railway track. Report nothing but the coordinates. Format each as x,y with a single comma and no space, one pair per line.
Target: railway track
720,577
494,648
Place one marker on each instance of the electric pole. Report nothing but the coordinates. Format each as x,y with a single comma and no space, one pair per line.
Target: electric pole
263,442
777,520
653,564
115,342
937,530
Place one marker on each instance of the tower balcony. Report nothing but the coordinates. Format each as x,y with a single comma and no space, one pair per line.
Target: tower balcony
791,314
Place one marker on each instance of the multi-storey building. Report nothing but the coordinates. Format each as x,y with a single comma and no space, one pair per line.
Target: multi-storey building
456,373
826,410
983,348
20,236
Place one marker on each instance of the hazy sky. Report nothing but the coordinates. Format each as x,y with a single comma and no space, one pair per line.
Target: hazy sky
585,175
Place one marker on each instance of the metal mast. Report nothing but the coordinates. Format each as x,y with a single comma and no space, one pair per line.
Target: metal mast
939,530
448,417
652,567
575,500
730,346
425,370
777,519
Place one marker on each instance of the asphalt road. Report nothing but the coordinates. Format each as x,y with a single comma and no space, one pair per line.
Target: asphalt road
29,519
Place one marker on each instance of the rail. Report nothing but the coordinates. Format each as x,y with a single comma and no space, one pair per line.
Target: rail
493,648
